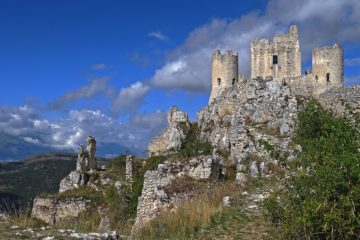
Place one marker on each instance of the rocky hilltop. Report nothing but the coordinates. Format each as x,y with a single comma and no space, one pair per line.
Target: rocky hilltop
219,169
245,133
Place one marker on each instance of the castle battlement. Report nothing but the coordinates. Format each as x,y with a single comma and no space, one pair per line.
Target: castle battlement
224,71
280,59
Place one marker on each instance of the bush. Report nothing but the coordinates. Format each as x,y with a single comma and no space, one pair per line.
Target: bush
193,145
323,202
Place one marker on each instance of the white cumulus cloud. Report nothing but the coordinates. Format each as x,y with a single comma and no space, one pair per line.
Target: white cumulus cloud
319,23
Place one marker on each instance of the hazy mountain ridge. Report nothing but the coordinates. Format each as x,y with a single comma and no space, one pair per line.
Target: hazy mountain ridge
21,181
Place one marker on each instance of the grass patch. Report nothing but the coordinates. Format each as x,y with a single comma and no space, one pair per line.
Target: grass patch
184,184
86,222
186,219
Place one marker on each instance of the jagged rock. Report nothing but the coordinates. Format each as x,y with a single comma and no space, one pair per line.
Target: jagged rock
173,136
226,201
154,199
240,179
86,158
247,113
343,102
4,218
254,171
53,210
74,180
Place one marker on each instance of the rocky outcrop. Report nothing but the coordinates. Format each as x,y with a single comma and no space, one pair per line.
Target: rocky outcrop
173,136
52,210
154,199
343,102
245,117
74,180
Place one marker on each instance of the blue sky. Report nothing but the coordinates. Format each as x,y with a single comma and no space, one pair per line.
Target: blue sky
69,68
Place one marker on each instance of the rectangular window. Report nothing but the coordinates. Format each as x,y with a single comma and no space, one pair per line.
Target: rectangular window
328,77
275,59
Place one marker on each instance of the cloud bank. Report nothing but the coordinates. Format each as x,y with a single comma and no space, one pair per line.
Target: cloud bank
67,133
319,23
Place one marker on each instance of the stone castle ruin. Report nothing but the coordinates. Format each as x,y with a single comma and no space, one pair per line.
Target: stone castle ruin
280,60
86,158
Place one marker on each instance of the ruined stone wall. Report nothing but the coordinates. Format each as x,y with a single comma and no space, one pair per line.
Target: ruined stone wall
224,72
327,68
285,48
129,170
303,85
155,199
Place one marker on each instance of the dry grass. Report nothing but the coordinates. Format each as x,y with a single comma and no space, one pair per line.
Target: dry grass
85,222
184,184
22,217
187,218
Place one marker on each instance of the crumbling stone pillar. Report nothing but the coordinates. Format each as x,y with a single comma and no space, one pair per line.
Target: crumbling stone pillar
91,149
129,170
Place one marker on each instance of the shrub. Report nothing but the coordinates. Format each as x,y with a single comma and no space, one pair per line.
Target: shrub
193,145
86,222
323,202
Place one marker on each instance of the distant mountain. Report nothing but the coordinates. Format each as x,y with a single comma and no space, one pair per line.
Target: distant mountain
14,148
21,181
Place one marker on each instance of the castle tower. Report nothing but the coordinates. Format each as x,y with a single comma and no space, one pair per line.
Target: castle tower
224,72
327,68
279,58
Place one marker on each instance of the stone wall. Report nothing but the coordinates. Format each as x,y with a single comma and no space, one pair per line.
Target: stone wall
224,72
129,170
303,85
278,58
154,199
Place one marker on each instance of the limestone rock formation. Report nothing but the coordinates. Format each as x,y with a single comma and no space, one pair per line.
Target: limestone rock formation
53,210
86,161
173,136
243,117
154,198
74,180
343,102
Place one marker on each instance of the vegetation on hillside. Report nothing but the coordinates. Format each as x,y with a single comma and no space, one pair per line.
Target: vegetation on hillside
323,200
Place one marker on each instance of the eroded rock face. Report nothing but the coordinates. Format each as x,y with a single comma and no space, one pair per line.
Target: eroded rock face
74,180
154,199
343,102
244,115
173,136
52,211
